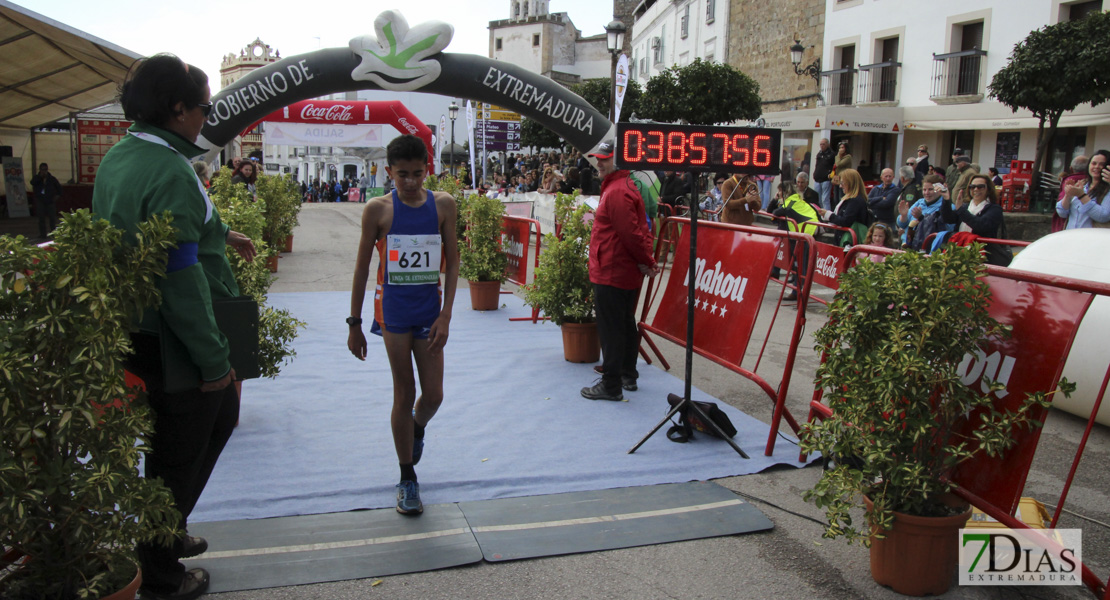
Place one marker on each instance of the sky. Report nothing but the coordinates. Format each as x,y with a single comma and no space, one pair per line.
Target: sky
201,33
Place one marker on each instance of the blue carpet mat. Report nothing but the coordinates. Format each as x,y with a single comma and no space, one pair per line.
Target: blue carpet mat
316,439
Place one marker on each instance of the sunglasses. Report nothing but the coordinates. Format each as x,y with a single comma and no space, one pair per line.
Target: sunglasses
205,107
910,164
977,186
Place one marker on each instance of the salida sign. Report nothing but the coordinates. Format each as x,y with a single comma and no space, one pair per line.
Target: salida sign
729,280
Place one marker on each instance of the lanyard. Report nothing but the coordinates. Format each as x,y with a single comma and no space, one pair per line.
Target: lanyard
146,137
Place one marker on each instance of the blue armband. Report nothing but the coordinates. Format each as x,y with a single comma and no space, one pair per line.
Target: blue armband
183,256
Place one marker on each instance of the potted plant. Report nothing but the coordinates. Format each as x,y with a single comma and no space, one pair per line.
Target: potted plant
280,197
896,335
483,262
277,328
561,288
72,501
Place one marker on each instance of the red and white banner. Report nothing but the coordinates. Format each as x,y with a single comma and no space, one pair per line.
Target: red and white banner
731,275
94,139
329,114
515,238
321,134
1044,320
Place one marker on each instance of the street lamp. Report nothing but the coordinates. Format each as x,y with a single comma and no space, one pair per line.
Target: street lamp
453,111
813,69
614,39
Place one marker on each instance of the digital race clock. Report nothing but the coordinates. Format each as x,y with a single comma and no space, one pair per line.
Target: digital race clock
658,147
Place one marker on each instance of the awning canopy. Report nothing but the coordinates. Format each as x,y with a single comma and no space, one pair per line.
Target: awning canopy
51,70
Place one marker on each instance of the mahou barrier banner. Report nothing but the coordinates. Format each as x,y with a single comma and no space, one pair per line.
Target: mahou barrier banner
732,272
1044,322
514,243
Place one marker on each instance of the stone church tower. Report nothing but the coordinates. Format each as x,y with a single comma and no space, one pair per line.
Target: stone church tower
522,9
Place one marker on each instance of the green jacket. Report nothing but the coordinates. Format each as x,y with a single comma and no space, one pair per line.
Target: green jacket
138,179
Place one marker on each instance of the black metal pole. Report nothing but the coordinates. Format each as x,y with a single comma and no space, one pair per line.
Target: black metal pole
692,284
452,146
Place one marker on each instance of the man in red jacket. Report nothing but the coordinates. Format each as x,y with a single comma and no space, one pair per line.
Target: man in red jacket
620,256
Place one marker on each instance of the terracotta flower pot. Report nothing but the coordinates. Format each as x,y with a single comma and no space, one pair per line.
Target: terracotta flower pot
288,246
129,592
919,555
485,295
580,342
272,263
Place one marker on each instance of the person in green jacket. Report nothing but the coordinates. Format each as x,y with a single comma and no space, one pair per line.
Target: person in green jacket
148,173
796,213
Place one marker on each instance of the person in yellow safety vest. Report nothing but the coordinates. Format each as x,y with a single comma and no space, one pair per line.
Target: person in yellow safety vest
795,210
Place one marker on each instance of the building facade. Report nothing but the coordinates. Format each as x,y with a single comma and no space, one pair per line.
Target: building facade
232,68
895,76
548,44
671,33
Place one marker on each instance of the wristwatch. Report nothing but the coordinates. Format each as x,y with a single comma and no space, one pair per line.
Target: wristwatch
352,321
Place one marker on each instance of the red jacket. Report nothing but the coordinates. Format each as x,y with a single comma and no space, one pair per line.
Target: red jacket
621,239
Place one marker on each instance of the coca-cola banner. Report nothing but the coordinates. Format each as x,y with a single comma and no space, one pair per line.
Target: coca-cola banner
313,134
731,276
401,58
1044,321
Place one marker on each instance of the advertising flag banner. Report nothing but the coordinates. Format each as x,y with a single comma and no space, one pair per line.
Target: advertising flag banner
470,134
621,82
442,138
15,186
732,272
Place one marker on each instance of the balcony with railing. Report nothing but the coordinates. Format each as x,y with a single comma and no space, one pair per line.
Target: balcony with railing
838,86
958,77
878,83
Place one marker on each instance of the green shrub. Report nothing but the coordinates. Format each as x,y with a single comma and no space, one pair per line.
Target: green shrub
71,497
562,289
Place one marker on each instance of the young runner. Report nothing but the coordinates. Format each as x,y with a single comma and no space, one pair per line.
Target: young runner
413,230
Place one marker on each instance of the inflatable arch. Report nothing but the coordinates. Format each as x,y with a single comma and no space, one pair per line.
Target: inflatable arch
401,58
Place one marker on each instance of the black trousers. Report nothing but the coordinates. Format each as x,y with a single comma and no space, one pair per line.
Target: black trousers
785,226
191,429
616,328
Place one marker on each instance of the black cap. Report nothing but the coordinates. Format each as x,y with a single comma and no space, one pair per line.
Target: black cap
963,159
604,150
957,151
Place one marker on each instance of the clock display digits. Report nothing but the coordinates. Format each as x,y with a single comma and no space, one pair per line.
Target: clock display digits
702,148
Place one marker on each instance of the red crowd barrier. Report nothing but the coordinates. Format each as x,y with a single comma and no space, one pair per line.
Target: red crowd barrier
517,235
1044,312
734,268
830,257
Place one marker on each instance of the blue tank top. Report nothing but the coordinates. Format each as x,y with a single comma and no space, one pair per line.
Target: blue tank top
408,305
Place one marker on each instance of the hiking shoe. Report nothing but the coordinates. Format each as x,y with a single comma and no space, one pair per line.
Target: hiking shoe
598,392
192,586
408,498
192,545
629,384
599,369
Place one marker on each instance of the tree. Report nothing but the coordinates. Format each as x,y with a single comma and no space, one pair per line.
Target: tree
1052,71
534,135
701,93
599,91
594,91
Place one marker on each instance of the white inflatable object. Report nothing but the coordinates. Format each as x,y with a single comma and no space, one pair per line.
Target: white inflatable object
1080,254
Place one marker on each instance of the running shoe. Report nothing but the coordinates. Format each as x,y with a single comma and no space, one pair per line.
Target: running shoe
408,498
